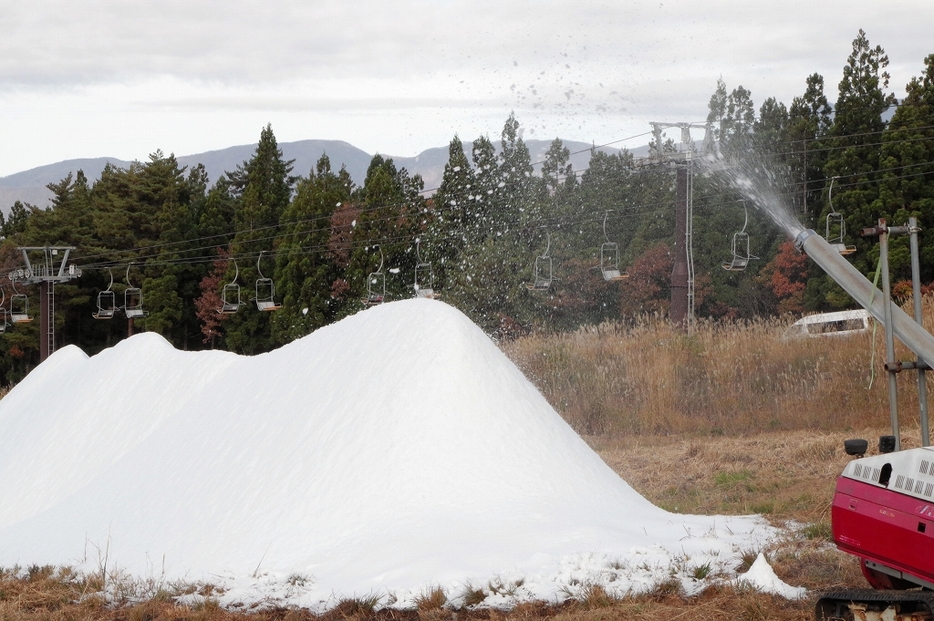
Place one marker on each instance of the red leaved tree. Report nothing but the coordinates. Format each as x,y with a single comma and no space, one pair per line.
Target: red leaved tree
786,276
207,305
648,288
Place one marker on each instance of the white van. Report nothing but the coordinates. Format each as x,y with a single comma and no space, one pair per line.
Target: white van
841,323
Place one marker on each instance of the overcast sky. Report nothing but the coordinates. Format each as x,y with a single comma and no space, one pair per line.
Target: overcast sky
122,79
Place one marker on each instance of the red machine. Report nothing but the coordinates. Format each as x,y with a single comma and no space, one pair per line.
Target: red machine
883,513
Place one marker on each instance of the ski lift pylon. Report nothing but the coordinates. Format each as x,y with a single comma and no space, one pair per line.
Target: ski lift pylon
132,298
19,305
376,283
230,294
544,269
609,257
836,221
424,277
265,290
106,301
740,247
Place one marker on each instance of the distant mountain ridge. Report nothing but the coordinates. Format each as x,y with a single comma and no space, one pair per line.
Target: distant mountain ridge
30,186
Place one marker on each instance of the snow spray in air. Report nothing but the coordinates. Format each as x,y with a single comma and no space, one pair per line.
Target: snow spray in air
751,178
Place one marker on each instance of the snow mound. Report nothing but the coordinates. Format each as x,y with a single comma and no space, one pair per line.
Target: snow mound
395,449
761,576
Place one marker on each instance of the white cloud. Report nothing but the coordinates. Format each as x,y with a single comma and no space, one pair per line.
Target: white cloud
106,77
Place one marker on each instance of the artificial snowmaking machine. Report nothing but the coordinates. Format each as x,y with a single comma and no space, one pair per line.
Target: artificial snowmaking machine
883,513
883,505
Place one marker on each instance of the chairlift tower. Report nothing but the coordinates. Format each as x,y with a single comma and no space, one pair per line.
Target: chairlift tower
682,273
52,268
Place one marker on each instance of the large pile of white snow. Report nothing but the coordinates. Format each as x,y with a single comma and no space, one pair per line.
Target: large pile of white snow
395,450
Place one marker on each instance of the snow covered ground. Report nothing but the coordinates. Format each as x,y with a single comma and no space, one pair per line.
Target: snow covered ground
395,451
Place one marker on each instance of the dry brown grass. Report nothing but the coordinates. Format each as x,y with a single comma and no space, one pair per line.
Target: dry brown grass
784,475
714,603
788,477
722,379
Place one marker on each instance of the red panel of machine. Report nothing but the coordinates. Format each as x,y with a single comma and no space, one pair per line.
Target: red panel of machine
887,527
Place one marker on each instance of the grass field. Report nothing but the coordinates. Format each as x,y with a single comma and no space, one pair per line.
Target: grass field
732,419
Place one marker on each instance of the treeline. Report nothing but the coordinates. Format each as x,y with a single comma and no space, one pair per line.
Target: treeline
171,232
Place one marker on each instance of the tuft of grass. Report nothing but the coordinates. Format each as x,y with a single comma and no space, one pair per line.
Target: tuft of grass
732,479
356,607
509,588
701,571
473,596
746,558
762,508
666,589
595,596
208,604
818,531
433,598
36,573
298,580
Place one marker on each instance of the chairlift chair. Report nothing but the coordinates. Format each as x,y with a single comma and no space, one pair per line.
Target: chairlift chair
544,270
133,303
132,298
19,306
740,248
609,257
265,290
230,294
106,301
376,284
424,276
835,221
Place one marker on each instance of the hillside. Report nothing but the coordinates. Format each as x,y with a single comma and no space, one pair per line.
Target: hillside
29,186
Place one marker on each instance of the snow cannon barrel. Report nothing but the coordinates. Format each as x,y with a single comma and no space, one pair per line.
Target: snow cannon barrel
908,331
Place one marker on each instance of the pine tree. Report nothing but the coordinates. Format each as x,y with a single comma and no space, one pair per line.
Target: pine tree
736,126
907,165
515,172
809,121
486,190
262,187
393,217
263,184
717,109
455,221
857,129
305,270
495,266
15,223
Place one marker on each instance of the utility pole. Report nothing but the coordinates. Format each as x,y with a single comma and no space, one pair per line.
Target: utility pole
682,272
52,268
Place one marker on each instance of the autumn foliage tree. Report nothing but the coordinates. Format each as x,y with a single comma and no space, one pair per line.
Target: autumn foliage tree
648,288
210,301
786,276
